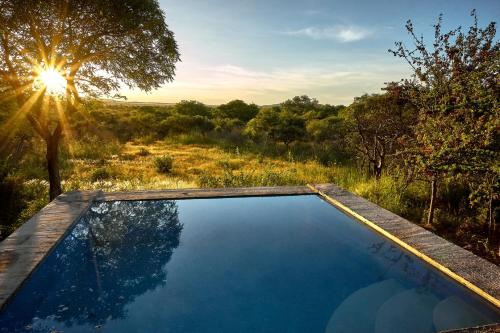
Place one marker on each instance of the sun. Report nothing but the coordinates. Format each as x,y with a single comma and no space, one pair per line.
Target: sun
52,80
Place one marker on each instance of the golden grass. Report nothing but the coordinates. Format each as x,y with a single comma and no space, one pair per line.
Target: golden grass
133,169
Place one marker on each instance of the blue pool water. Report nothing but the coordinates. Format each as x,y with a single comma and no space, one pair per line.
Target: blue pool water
261,264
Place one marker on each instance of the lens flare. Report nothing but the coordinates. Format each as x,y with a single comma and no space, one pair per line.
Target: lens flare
52,80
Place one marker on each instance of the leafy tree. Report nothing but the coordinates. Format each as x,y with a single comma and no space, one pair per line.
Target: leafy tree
300,105
310,108
237,109
265,124
326,129
192,108
228,124
277,125
376,123
455,88
178,124
325,111
291,127
94,45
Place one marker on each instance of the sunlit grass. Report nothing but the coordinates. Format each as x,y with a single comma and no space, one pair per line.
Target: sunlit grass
111,166
115,167
200,166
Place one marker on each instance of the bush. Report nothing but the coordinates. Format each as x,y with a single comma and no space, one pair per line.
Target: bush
164,163
143,152
11,204
19,201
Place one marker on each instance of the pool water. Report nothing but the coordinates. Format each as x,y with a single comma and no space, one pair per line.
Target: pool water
255,264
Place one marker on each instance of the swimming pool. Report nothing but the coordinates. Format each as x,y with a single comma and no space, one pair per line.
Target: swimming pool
254,264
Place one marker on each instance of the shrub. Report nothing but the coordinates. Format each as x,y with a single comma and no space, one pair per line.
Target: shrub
12,202
143,152
164,163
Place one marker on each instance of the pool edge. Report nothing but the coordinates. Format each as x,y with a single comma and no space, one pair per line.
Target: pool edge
23,250
442,267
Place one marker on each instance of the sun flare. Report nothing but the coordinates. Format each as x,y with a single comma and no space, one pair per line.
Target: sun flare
52,80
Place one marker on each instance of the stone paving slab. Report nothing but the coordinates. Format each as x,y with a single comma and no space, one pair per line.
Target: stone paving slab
23,250
494,328
204,193
475,270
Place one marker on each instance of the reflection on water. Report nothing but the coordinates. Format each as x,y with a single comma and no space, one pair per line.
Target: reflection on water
403,263
407,296
262,264
117,252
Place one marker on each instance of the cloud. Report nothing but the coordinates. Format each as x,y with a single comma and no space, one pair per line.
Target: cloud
344,34
336,84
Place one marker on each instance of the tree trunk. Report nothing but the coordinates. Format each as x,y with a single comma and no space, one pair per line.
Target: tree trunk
491,224
432,204
377,170
377,167
53,165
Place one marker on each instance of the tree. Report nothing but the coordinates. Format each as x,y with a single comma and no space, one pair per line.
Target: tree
326,129
376,123
265,124
237,109
192,108
179,124
455,88
277,125
291,127
93,46
300,105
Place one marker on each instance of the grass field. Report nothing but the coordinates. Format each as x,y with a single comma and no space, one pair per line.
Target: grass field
132,167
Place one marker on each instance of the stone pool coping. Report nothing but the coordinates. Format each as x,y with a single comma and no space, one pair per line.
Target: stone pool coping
23,250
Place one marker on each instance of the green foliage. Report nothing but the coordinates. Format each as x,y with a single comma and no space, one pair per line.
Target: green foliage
19,201
326,129
192,108
164,163
227,124
12,204
96,46
277,125
237,109
300,105
376,123
130,42
455,89
264,124
179,124
291,127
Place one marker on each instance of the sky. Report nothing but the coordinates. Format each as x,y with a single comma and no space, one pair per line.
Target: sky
268,51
